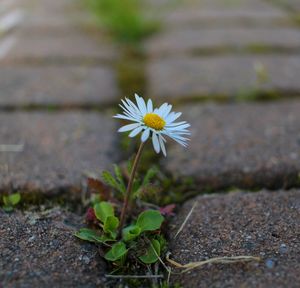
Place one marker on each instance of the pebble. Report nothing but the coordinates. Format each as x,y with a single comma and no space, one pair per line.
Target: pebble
270,263
283,249
85,259
31,239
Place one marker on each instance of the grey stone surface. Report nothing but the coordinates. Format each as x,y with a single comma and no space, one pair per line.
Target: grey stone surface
58,148
60,47
183,77
292,5
66,85
40,250
216,12
195,39
53,24
260,224
216,17
240,145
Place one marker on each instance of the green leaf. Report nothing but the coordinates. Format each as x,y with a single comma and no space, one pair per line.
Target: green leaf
6,201
14,198
8,209
150,256
150,220
110,226
91,236
131,232
136,187
151,173
116,252
121,184
103,210
10,201
109,180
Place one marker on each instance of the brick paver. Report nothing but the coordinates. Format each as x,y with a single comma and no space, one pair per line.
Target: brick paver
240,145
59,149
40,249
60,85
209,48
226,76
260,224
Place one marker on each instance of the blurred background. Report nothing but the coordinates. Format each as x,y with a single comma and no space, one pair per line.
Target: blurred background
230,49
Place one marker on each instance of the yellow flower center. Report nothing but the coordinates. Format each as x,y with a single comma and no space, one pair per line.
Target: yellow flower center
154,121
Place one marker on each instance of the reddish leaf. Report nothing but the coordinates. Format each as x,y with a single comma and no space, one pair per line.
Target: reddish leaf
167,210
90,215
95,184
99,187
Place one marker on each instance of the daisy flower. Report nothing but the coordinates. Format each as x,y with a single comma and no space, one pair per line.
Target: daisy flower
155,123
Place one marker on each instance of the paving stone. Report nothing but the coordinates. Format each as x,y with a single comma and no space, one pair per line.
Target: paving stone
60,47
50,16
221,75
53,24
195,39
40,250
260,224
216,12
65,85
240,145
58,148
293,5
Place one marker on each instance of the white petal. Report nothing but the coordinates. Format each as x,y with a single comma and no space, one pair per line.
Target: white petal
176,124
141,104
162,108
167,111
162,145
172,117
145,135
128,109
134,107
120,116
150,106
155,143
135,131
129,127
180,127
178,140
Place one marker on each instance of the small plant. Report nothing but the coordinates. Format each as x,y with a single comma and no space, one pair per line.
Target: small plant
123,19
10,201
124,232
128,229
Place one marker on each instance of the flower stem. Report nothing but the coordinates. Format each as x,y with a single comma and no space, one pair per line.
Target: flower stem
129,187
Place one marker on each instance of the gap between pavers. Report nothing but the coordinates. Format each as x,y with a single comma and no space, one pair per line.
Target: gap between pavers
263,224
59,149
252,145
39,249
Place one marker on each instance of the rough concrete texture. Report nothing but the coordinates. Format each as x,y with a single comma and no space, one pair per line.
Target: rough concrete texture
240,145
57,85
291,5
195,39
227,76
40,250
58,149
59,47
260,224
216,12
